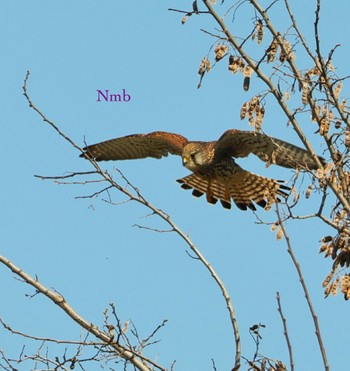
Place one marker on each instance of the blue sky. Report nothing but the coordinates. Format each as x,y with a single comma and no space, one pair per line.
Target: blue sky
88,250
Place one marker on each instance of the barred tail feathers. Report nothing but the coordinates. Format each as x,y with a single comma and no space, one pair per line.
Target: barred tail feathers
213,189
243,190
247,187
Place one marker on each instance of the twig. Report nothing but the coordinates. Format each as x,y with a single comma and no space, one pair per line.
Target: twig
306,291
50,340
285,331
128,354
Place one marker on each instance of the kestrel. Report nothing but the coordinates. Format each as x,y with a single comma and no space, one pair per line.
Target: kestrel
214,170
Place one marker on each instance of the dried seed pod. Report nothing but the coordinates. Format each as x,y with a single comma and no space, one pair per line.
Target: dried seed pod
323,248
207,65
315,113
244,110
259,31
343,105
241,65
309,191
330,66
340,242
272,50
326,239
254,112
220,51
279,234
204,66
184,19
305,92
343,259
337,90
251,109
286,51
327,280
329,251
274,226
233,64
347,139
295,194
314,71
251,121
201,70
246,83
347,295
337,124
126,326
247,73
324,126
334,287
195,6
287,95
345,283
324,110
260,112
327,290
258,122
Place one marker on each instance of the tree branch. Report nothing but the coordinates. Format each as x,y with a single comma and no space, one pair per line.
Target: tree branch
305,290
134,358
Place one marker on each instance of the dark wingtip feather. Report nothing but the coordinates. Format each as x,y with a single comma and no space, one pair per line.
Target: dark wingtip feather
185,186
195,193
212,200
226,204
251,206
241,206
261,203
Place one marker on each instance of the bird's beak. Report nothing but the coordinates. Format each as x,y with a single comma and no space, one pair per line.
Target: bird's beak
184,160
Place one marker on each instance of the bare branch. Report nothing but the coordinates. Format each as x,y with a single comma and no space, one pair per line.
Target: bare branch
285,331
128,354
305,290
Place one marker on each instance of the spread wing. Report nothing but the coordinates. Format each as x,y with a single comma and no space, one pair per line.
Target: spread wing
238,143
156,144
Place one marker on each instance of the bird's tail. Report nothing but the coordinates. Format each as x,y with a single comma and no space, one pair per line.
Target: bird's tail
244,191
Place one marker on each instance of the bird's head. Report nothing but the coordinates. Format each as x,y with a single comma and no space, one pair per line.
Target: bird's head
192,156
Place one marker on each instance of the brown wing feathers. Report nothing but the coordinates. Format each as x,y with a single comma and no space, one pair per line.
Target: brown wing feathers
238,143
136,146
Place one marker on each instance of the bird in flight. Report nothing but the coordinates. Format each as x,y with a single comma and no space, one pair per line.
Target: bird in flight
215,173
